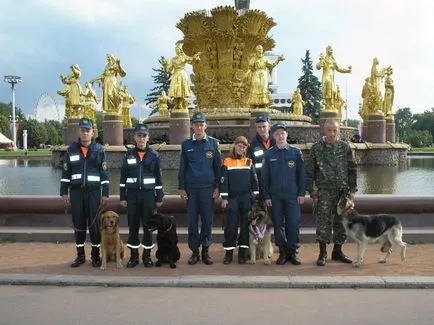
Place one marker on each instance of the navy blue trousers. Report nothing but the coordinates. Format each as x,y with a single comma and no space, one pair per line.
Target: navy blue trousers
200,205
286,222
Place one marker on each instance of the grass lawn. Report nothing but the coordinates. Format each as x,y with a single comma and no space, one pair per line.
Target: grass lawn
10,153
423,149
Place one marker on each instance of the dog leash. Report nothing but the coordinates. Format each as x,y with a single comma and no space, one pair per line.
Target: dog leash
99,211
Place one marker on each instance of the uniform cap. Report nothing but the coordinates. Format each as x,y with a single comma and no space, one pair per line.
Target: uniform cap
277,126
85,123
141,129
262,118
198,117
241,139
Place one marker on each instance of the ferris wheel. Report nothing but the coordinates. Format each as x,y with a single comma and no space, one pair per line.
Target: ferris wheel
47,108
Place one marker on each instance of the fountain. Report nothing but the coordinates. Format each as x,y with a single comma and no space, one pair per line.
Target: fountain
225,48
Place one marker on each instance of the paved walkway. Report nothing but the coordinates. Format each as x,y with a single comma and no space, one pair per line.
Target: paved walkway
48,264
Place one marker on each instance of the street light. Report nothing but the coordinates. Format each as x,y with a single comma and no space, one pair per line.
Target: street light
13,80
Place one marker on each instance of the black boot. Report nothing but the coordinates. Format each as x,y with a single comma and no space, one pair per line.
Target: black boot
229,254
194,258
146,258
338,255
134,258
293,257
206,259
322,257
282,256
242,259
80,259
96,260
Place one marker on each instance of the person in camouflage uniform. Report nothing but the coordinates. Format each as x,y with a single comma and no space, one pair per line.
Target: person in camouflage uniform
331,169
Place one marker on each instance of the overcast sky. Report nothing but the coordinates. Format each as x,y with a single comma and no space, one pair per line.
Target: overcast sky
39,39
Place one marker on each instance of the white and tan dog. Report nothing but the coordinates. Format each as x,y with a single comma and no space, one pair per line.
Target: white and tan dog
364,229
259,234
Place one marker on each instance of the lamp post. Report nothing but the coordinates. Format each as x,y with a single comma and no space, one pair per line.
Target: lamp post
13,80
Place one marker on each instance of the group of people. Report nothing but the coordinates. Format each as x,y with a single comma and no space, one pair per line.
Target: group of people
266,168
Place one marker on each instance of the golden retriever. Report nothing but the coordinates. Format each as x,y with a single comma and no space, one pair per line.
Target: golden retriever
112,247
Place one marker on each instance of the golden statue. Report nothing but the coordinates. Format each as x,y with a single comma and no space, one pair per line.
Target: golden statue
73,92
328,64
258,70
226,41
179,86
364,110
65,94
163,104
377,74
389,93
297,103
339,104
111,100
90,99
126,100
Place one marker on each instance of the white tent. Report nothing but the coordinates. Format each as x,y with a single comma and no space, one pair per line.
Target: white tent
4,140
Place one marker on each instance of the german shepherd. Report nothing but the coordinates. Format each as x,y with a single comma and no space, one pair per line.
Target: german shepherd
364,229
259,233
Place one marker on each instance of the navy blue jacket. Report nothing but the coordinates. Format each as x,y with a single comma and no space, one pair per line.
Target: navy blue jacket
88,172
283,173
238,177
143,174
200,163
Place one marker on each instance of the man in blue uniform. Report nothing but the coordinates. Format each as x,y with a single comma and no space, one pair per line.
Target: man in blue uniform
260,143
85,176
238,185
283,185
198,182
141,190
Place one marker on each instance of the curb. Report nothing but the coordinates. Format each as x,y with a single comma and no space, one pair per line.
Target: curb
189,281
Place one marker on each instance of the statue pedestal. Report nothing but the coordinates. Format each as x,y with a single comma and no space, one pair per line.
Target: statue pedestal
179,126
113,130
72,130
253,114
325,116
364,130
390,130
376,125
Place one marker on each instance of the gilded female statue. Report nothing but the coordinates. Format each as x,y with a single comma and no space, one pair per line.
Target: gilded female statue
90,99
377,74
259,65
126,100
339,104
297,103
73,81
113,69
328,65
163,104
389,93
179,86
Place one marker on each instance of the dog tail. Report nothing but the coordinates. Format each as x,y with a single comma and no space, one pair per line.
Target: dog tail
386,246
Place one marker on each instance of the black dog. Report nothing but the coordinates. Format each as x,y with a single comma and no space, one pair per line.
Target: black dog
167,239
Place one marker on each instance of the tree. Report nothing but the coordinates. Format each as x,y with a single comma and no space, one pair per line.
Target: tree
36,132
353,123
4,126
162,82
424,121
54,132
310,88
419,139
403,121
